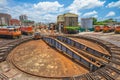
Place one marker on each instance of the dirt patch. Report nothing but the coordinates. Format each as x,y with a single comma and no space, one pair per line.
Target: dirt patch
37,58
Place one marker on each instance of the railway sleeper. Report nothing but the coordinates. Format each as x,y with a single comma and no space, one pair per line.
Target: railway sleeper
113,69
115,48
106,43
3,77
4,48
115,62
16,43
115,52
96,76
2,58
89,77
117,66
116,57
11,46
81,77
111,72
2,53
110,45
104,74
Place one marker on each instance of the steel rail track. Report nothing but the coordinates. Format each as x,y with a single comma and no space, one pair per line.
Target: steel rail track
83,47
6,48
85,52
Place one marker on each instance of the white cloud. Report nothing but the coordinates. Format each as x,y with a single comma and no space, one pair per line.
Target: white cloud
96,16
48,11
90,14
84,4
38,12
50,18
111,13
48,6
3,2
114,4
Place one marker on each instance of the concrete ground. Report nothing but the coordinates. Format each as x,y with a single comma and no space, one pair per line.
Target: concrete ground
110,37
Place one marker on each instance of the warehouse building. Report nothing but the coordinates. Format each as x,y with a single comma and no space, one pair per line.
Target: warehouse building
86,24
23,17
15,22
5,19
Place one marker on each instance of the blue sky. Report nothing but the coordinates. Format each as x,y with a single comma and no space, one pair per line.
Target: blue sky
48,10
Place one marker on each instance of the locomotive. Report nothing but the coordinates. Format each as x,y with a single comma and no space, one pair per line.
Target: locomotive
37,35
108,29
117,29
27,30
10,32
98,28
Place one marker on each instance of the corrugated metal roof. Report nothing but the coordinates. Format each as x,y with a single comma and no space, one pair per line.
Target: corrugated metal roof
60,18
70,15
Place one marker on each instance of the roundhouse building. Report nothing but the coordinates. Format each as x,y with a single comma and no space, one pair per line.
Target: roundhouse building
5,19
70,19
67,20
60,23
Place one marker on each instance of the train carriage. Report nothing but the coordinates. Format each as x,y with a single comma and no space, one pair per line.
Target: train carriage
10,32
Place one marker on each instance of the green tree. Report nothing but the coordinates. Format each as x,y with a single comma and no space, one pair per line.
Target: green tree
109,20
94,20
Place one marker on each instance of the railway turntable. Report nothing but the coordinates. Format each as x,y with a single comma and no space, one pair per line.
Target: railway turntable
63,57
